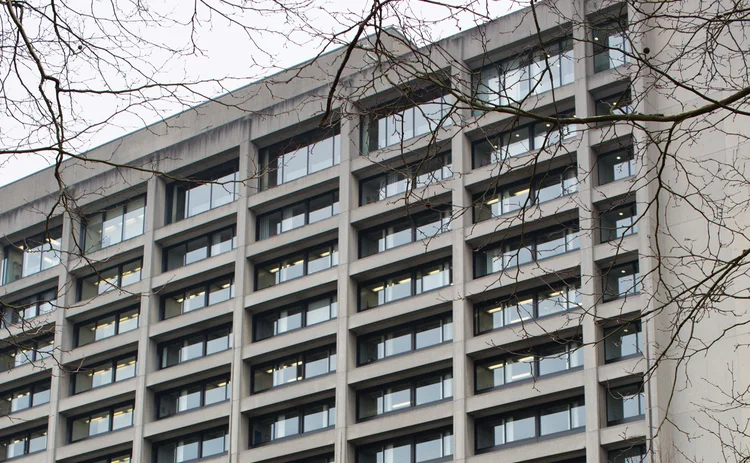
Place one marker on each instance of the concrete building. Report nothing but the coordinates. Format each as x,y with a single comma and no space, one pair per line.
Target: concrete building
264,316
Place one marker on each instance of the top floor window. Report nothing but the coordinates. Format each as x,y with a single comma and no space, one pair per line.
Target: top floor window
611,44
399,181
204,191
403,119
31,255
520,140
302,155
116,224
28,308
511,81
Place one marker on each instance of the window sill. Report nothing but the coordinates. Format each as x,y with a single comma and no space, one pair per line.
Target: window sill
623,358
632,419
623,298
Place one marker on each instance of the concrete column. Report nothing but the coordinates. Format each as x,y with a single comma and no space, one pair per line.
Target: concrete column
149,314
241,325
347,291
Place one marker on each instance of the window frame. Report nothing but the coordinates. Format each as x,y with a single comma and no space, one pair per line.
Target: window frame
412,275
111,458
41,240
79,325
305,253
444,431
113,363
613,455
610,331
33,346
331,403
605,30
302,361
407,175
33,389
27,441
208,236
204,177
159,396
201,437
444,375
206,300
631,229
536,412
446,318
640,396
111,409
627,152
204,334
119,267
123,206
445,213
637,280
333,301
538,354
37,300
333,194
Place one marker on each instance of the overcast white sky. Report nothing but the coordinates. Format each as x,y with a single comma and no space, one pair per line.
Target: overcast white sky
227,54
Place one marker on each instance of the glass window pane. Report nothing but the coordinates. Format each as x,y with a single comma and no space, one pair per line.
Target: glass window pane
128,321
105,328
86,333
37,441
519,369
429,334
319,311
398,342
293,165
20,400
433,277
197,249
41,395
176,257
223,190
396,288
396,398
316,364
217,391
194,299
112,227
519,428
287,371
192,348
220,291
93,232
429,390
214,443
218,341
134,218
321,155
199,200
122,417
322,207
554,420
131,273
321,259
489,376
222,241
187,449
429,447
316,417
125,369
189,398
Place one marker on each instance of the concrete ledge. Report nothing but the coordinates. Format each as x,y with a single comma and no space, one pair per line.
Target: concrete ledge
516,396
37,325
288,393
289,446
24,372
93,444
190,418
25,416
298,285
622,432
318,182
613,189
625,368
113,393
378,317
193,367
534,450
618,247
199,220
631,304
201,318
102,348
293,240
361,214
400,363
291,340
196,272
396,421
81,307
76,263
402,257
24,284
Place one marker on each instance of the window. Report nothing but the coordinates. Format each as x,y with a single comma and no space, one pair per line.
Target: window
412,393
202,192
510,310
28,308
430,446
611,44
618,222
109,278
420,226
539,362
195,346
520,140
25,397
511,81
193,396
626,403
117,458
616,165
298,215
318,459
102,374
294,368
197,297
529,424
618,104
428,277
27,352
300,156
405,338
297,265
24,443
623,341
528,248
511,198
107,326
295,316
402,179
193,446
114,225
636,454
620,281
293,422
403,119
31,255
200,248
101,422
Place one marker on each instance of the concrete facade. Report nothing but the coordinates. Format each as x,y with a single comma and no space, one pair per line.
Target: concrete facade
215,134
